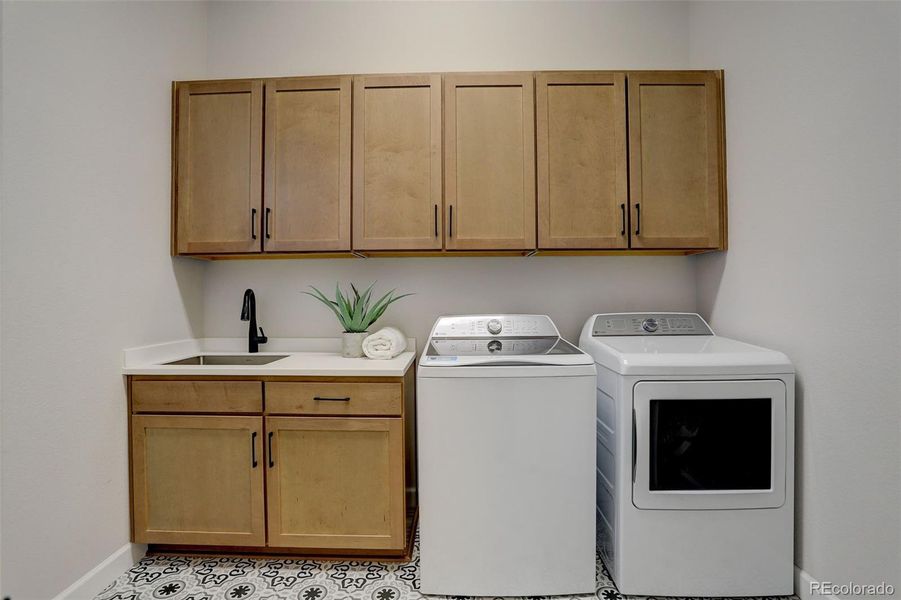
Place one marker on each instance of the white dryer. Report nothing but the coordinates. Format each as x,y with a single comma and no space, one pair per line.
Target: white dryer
505,415
695,453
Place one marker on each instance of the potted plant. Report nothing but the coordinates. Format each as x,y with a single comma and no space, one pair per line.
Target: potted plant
355,314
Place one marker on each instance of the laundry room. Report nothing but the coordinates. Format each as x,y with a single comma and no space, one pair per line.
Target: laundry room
390,300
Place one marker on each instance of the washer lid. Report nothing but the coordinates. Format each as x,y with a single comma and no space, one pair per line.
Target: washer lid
498,352
684,355
499,340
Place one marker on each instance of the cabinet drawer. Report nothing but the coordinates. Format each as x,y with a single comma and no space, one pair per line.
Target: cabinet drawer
196,396
310,398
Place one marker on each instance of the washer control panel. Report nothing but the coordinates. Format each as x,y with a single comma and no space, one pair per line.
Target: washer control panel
481,326
650,324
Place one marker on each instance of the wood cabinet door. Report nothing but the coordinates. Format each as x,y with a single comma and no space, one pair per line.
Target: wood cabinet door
307,179
582,176
490,161
218,192
676,161
397,162
198,480
335,483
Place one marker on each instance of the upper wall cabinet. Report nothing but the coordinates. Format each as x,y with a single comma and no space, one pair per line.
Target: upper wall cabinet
489,123
439,164
676,160
218,137
307,164
582,176
397,162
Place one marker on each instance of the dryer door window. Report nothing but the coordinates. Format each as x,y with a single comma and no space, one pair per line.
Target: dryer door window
708,445
714,445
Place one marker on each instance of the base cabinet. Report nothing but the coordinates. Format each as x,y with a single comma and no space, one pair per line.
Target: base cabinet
321,467
335,483
197,480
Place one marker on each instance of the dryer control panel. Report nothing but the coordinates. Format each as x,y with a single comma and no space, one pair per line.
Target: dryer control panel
649,324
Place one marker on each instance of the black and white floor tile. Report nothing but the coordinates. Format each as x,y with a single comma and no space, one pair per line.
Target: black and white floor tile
172,577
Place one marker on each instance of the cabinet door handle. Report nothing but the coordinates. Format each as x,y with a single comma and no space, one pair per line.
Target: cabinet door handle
253,223
324,399
638,219
268,212
622,208
253,450
436,220
271,462
450,222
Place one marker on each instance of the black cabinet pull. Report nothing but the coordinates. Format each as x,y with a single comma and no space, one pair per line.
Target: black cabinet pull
638,219
622,208
271,462
268,212
253,449
436,220
450,222
324,399
253,223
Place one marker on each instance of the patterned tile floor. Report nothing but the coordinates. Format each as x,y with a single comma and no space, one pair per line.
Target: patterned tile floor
171,577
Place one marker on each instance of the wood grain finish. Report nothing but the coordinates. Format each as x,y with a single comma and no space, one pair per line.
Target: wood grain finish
196,396
490,161
218,165
581,157
336,483
384,399
307,180
397,162
675,160
195,481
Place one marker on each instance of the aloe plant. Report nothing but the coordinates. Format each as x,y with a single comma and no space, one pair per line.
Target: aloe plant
356,314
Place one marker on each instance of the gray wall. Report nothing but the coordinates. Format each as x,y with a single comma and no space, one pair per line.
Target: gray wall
293,38
813,130
85,271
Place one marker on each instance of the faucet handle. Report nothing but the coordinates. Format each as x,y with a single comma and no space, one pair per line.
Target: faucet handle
262,339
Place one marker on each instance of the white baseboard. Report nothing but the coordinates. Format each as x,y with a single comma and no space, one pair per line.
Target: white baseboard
802,586
94,581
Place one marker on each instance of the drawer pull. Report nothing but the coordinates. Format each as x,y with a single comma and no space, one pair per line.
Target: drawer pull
324,399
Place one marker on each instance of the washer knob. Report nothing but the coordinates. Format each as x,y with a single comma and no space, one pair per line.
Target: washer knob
649,325
494,326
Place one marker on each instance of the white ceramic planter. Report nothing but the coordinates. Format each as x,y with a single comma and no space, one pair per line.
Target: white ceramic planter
352,344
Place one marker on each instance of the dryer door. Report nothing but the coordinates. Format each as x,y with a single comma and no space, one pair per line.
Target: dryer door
702,445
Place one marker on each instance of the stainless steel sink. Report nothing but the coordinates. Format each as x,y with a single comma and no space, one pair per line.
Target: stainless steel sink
228,359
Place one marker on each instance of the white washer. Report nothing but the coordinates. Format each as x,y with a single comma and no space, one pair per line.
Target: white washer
695,452
506,434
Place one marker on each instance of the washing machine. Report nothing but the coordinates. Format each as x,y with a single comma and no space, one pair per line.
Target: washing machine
506,461
695,455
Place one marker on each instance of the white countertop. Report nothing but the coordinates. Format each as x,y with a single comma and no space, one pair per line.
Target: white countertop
305,357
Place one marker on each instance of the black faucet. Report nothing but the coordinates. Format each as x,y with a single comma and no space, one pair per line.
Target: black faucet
249,313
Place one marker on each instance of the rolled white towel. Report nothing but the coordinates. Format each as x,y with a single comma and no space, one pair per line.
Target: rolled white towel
385,343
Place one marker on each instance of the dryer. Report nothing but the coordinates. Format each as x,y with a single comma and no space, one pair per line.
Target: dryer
505,431
695,454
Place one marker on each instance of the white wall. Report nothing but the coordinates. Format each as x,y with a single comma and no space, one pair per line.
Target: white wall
813,130
85,266
257,39
567,288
